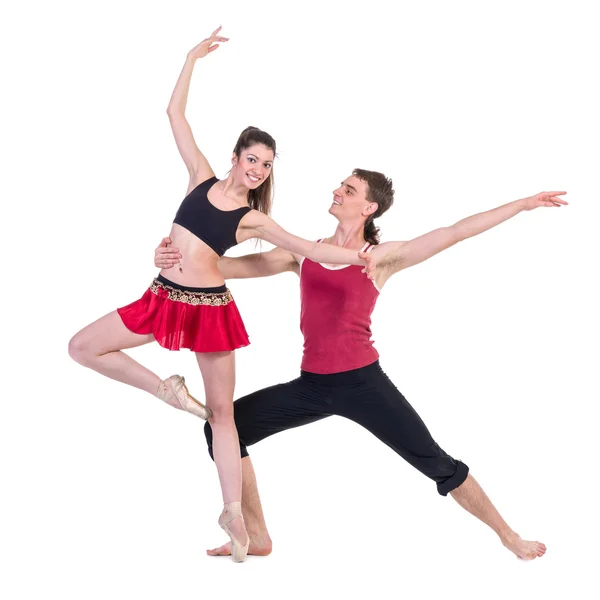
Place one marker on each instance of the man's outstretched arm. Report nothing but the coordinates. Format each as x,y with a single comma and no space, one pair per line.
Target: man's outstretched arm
395,256
262,264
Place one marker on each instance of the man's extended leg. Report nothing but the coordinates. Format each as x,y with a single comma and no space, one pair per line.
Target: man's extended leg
258,416
474,500
375,403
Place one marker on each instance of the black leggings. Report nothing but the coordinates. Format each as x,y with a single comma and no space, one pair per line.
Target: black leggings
365,396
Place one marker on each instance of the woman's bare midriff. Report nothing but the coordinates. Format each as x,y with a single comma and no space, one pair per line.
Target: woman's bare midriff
198,261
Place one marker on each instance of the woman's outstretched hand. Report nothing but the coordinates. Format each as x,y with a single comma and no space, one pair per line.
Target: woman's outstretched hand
208,45
544,199
376,258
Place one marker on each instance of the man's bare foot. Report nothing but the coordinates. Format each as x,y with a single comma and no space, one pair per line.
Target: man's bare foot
524,549
259,546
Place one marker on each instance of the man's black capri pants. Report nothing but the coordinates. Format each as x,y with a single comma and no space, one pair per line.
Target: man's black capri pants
365,396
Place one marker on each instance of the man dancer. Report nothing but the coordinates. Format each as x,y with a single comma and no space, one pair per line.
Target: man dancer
340,370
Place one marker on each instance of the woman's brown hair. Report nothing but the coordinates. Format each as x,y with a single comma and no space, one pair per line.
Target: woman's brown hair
261,198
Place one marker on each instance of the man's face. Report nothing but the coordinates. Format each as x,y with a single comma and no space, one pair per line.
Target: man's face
350,199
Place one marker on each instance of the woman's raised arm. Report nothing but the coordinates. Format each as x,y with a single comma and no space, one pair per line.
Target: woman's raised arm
194,160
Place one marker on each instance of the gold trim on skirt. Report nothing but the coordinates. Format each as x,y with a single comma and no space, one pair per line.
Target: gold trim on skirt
193,298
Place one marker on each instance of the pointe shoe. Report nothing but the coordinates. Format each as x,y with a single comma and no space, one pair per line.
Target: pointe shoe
173,391
230,512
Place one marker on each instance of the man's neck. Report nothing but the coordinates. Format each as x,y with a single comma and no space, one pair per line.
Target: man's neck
348,236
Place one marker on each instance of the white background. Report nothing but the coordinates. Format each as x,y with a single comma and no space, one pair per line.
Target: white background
107,493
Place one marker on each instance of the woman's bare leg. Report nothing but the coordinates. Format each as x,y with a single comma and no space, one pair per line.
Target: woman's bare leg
254,518
98,346
218,373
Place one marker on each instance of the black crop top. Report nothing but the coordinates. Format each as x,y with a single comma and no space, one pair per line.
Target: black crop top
215,227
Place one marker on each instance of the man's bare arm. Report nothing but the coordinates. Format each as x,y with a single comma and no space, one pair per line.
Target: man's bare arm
401,255
261,264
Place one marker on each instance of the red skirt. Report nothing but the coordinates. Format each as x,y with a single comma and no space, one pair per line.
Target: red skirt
179,317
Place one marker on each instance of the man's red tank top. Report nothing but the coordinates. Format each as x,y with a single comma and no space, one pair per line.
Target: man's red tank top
335,317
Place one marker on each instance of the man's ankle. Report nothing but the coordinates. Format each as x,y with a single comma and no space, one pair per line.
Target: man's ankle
507,535
256,532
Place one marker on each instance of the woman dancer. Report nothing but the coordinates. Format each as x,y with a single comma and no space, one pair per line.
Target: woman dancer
193,309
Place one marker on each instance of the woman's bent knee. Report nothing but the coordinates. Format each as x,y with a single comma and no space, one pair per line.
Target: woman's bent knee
80,350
